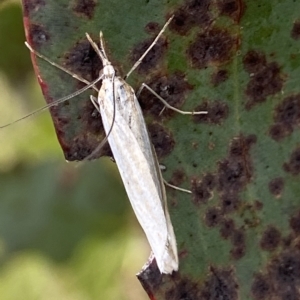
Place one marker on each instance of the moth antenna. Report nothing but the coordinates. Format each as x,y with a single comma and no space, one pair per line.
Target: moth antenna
54,103
149,48
102,45
97,50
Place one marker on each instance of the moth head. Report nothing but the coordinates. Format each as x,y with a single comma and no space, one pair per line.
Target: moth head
108,70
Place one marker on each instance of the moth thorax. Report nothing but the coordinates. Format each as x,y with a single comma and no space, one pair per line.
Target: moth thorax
108,70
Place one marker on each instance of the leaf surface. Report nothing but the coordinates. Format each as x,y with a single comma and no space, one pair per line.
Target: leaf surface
238,233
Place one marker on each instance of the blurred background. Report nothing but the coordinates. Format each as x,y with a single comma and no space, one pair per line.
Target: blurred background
66,230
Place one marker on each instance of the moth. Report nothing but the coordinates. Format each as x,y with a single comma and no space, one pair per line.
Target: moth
136,160
133,153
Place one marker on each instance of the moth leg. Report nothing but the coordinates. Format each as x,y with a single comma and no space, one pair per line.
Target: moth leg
162,167
96,151
176,187
95,102
167,104
104,141
43,57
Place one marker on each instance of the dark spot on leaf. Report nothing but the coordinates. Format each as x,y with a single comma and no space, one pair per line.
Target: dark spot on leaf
178,177
254,61
181,23
290,295
212,217
161,139
30,6
293,166
286,269
258,205
238,238
185,289
79,150
201,193
240,146
173,89
220,284
270,239
252,221
91,118
239,244
281,278
276,186
59,120
227,228
279,131
237,252
217,112
209,181
38,36
229,203
231,8
265,79
213,47
286,117
295,34
288,111
152,28
233,176
192,13
265,83
85,8
295,223
86,144
154,56
261,287
83,61
287,241
219,77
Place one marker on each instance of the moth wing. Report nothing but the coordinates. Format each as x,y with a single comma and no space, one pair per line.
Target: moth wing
172,245
139,169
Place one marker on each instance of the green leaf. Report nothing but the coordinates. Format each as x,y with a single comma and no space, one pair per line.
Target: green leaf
238,233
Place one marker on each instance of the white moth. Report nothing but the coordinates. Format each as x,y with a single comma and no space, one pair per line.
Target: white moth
134,154
137,162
